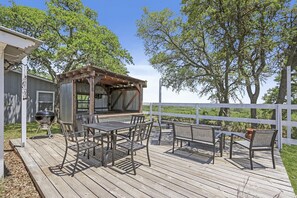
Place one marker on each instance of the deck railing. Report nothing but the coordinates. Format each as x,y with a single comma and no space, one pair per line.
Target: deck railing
278,122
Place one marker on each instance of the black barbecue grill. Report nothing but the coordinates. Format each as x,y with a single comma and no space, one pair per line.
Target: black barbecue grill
45,120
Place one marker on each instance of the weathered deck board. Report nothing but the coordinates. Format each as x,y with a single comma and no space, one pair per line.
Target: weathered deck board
183,174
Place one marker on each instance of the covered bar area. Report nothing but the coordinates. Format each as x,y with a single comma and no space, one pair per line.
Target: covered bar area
91,90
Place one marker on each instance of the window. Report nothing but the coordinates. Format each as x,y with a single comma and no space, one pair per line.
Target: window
45,100
83,102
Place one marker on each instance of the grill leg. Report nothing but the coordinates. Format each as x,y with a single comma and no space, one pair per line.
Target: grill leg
38,129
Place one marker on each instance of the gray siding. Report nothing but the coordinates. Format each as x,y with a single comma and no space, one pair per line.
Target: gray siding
12,90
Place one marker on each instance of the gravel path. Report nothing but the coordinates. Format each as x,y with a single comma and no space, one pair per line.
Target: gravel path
17,182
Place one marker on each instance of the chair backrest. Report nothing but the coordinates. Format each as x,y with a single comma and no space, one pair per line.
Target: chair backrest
203,133
68,130
263,138
142,131
182,130
137,119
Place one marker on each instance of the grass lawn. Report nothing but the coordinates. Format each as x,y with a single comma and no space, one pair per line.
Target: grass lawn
289,157
12,131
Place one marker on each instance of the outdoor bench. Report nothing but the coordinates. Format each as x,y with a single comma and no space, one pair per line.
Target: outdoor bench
202,134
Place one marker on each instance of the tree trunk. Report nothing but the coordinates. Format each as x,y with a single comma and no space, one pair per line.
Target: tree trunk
253,96
282,90
254,112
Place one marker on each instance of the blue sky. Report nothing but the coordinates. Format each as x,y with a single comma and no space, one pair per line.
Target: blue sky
120,17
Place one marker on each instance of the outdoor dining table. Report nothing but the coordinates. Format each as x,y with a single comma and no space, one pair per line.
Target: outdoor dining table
109,129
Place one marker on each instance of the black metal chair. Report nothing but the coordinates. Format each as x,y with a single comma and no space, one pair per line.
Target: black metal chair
163,126
77,141
261,140
137,119
139,140
88,119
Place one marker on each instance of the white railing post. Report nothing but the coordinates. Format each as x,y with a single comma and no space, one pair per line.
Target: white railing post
151,111
289,128
279,125
160,99
197,114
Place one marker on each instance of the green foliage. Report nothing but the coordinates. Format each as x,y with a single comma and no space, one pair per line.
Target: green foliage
72,37
218,48
289,156
185,56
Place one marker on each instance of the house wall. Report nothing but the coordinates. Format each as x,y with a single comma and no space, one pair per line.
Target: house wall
12,95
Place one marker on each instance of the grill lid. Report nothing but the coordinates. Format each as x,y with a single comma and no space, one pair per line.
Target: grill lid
45,117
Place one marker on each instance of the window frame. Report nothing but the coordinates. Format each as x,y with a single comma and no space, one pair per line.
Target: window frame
37,99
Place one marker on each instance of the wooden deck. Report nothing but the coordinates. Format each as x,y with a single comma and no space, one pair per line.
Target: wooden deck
183,174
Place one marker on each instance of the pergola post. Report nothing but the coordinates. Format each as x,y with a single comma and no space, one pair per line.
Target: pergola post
92,95
140,97
2,47
24,101
74,101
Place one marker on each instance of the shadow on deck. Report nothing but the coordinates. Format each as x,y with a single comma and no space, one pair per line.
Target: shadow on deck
186,173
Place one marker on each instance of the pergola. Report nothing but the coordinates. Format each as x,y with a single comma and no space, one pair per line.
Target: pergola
122,93
14,47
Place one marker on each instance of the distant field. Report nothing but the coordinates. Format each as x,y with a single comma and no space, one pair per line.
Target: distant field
234,112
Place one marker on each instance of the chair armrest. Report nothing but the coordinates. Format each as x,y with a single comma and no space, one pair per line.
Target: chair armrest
218,134
240,136
76,133
123,137
86,136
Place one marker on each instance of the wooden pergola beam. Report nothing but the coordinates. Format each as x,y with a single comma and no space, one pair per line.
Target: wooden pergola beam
107,76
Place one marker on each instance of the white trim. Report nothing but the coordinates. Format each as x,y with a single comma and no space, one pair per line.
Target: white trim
21,35
15,41
2,47
24,96
37,98
18,45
